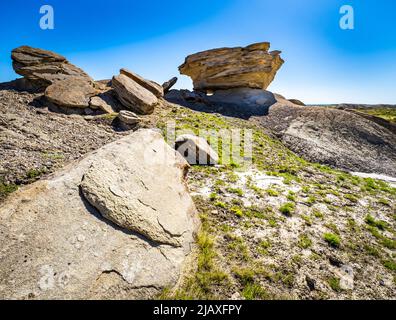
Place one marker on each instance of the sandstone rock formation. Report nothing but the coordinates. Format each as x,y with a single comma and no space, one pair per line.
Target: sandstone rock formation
133,96
297,102
42,67
128,119
55,245
227,68
71,93
169,84
151,86
196,150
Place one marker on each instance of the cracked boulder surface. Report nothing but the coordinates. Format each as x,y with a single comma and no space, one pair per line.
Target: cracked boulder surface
142,189
56,245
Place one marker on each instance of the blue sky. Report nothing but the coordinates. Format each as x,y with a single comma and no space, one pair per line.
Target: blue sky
324,64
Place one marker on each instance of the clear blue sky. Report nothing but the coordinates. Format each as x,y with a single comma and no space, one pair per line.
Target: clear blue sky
324,64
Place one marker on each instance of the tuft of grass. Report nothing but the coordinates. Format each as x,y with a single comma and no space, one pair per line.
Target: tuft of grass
304,241
311,200
6,189
236,191
334,284
220,204
332,239
272,193
244,275
213,196
384,202
307,219
237,211
389,264
317,214
372,251
253,291
382,225
351,197
291,196
288,208
388,243
34,174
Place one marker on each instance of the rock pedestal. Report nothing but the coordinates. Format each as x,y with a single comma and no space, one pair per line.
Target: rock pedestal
226,68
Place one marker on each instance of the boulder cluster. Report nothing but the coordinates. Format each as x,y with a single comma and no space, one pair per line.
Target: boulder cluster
69,89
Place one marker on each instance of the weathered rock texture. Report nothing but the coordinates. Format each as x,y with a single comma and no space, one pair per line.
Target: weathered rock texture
143,191
133,96
226,68
55,245
196,150
151,86
334,137
128,120
169,84
42,67
239,102
71,93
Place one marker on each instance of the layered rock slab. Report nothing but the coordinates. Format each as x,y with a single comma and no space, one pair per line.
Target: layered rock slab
226,68
43,67
55,245
151,86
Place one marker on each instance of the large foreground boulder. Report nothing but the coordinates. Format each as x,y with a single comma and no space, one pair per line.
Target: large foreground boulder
57,245
42,68
227,68
334,137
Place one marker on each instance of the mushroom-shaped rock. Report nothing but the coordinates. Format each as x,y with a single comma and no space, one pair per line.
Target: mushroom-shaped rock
225,68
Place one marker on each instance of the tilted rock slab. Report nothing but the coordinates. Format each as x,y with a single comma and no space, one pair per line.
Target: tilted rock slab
42,67
133,96
55,245
151,86
226,68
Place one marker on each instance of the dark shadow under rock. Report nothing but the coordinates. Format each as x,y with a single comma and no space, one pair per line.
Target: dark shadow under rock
241,102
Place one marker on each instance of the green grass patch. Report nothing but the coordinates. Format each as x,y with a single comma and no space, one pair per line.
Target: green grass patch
288,208
332,239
